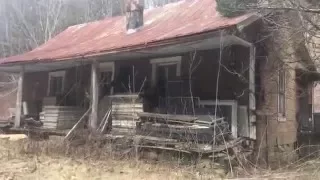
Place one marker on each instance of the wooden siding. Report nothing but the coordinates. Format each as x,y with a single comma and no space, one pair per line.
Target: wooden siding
36,86
204,78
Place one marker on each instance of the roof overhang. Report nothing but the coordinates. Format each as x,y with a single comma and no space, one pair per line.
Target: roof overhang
306,66
216,41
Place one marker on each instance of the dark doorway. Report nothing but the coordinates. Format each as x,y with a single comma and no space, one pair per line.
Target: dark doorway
105,83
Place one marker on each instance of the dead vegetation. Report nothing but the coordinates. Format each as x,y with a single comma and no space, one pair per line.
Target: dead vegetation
56,159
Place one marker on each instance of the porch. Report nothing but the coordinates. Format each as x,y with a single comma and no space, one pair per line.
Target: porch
211,82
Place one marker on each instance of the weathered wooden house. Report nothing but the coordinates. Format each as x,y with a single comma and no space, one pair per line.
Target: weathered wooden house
193,60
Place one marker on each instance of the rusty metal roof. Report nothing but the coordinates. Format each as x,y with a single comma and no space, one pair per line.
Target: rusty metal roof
174,20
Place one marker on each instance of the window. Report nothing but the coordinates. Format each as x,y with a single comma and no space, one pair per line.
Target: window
168,67
282,94
56,83
165,73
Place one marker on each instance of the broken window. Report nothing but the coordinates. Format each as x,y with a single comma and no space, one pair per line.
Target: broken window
282,94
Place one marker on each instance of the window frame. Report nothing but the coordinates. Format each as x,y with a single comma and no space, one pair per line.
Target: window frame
175,60
281,106
56,74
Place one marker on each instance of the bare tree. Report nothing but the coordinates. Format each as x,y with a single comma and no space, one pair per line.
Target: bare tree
27,24
298,17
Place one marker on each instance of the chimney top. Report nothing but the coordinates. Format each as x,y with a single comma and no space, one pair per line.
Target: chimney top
134,15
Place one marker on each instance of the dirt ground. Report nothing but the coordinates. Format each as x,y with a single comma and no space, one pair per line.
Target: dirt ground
17,162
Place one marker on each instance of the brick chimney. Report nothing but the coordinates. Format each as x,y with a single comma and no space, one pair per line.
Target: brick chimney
134,15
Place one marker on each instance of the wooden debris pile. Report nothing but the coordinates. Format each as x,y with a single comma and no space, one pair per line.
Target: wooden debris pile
149,142
183,133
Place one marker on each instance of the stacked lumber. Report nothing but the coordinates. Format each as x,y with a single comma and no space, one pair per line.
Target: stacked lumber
60,117
125,109
182,127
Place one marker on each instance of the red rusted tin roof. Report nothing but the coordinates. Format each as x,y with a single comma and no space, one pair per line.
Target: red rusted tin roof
174,20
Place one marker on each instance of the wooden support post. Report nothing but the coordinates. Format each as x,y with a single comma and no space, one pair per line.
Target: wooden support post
17,120
94,96
252,92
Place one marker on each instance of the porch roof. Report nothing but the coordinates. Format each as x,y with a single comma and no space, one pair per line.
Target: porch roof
214,41
163,26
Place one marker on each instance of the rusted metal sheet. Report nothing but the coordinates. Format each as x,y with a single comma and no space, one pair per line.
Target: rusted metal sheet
185,18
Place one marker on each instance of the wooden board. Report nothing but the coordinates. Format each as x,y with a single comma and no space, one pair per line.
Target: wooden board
124,123
125,118
127,105
124,110
184,118
60,117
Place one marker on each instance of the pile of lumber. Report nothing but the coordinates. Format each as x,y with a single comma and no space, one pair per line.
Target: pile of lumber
168,144
183,128
60,117
124,111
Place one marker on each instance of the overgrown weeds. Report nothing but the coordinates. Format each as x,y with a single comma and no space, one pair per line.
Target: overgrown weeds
108,156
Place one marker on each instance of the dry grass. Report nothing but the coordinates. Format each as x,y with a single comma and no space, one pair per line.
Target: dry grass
54,159
67,168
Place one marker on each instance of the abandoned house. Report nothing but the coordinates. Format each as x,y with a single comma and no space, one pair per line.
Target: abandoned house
183,62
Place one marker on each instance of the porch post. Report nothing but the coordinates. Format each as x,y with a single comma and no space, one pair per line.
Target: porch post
17,120
252,91
94,96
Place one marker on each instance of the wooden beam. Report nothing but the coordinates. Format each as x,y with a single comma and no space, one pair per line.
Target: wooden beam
94,96
77,124
17,120
182,118
252,92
